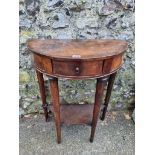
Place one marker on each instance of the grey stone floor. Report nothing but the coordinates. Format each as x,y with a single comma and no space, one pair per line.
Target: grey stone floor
114,136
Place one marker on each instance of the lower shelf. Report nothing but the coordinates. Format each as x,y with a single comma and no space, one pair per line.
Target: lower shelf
76,113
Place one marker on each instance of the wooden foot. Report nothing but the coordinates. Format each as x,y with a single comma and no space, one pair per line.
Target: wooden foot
42,93
98,100
56,106
108,94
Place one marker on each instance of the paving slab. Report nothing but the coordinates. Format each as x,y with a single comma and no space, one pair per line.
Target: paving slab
114,136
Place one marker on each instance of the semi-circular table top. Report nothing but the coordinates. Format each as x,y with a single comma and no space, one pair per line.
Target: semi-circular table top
77,49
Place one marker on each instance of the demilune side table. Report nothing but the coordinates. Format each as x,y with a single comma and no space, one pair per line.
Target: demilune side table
76,59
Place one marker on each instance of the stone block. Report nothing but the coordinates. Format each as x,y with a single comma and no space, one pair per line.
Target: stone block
24,76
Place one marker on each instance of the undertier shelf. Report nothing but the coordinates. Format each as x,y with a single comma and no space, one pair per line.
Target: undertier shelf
76,113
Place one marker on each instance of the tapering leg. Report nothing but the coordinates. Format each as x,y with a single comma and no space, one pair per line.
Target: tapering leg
42,93
108,94
98,100
56,105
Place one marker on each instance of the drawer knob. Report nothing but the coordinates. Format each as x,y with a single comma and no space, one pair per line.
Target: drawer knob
77,70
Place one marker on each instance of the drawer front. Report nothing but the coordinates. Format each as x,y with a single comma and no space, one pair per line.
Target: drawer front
42,63
77,68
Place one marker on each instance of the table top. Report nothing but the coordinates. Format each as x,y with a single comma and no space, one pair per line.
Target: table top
77,49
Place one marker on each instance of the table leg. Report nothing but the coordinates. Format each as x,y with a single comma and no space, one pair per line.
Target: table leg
42,93
56,105
98,100
108,94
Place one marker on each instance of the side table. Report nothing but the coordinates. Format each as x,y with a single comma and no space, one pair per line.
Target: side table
76,59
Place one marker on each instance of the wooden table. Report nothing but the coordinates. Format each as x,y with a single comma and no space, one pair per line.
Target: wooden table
76,59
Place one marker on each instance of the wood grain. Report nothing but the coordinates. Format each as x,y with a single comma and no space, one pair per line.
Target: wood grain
86,49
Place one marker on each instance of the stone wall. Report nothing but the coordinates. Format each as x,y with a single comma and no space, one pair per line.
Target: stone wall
76,19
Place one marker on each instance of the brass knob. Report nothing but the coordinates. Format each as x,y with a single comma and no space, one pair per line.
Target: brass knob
77,70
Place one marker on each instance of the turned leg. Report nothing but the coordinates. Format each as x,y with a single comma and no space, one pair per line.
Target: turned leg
56,105
98,100
42,93
108,94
